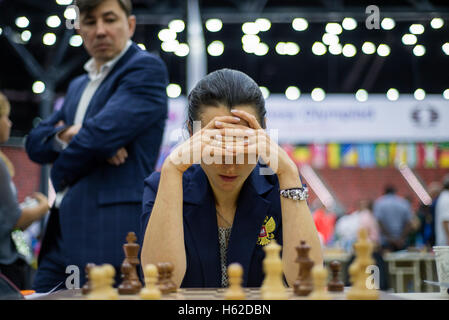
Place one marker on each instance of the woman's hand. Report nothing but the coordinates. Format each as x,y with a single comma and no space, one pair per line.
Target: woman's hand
261,145
206,145
43,203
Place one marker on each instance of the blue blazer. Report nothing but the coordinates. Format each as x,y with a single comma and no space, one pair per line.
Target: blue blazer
258,202
103,203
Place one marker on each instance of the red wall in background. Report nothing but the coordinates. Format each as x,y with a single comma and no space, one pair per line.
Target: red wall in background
27,173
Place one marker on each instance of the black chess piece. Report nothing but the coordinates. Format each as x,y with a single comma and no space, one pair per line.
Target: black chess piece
303,285
335,284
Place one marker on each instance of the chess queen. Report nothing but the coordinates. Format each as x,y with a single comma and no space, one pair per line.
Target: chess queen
226,192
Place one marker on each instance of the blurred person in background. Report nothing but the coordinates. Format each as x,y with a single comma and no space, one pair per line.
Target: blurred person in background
442,215
14,253
394,215
324,220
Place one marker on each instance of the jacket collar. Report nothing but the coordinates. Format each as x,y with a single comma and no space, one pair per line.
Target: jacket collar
200,216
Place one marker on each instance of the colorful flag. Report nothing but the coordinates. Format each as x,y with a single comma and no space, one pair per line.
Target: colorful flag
421,155
411,155
443,160
430,159
349,155
400,154
381,153
318,155
366,155
302,155
333,155
392,153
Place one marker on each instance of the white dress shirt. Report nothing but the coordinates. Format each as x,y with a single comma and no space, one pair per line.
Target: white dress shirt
96,78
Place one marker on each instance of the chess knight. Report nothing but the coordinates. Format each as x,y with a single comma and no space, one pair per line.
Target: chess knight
266,232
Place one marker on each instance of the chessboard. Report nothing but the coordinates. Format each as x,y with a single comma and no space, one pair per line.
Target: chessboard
312,283
205,294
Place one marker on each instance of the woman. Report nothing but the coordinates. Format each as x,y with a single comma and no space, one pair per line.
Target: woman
12,265
202,214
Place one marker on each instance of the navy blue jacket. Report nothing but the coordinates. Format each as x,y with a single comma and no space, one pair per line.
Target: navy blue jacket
129,109
258,201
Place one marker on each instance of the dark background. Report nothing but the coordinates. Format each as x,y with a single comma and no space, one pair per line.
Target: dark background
335,74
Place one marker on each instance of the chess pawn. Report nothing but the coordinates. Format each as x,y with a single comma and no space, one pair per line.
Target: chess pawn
235,291
87,286
150,291
162,280
102,278
110,292
335,284
319,276
363,258
126,287
171,286
96,278
303,285
273,286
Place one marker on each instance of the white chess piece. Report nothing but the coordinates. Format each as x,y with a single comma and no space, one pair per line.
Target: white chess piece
319,276
235,291
273,286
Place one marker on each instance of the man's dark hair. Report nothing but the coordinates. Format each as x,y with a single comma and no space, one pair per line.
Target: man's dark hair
229,88
390,189
86,6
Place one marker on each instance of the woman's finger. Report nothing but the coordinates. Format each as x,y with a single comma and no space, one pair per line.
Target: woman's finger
252,121
222,119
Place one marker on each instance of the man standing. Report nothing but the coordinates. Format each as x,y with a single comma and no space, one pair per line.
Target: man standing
102,143
394,215
442,215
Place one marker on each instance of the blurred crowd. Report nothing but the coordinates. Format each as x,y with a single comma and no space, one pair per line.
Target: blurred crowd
391,221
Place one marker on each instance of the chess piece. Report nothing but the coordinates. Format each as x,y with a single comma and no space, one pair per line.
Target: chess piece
102,279
131,249
319,276
357,271
162,280
335,284
171,286
126,287
150,291
109,274
273,286
303,285
235,291
87,286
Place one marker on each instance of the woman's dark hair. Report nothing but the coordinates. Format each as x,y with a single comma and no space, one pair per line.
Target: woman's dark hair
225,87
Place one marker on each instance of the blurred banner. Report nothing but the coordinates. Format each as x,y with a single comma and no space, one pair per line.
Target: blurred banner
343,119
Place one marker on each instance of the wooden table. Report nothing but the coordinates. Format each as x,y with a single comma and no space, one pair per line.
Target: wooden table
414,264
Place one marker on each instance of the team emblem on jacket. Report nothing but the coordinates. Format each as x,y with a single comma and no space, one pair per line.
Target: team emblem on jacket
266,232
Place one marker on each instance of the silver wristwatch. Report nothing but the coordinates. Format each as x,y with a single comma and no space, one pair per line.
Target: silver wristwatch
296,193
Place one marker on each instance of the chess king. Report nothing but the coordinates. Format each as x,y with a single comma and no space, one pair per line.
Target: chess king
357,271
